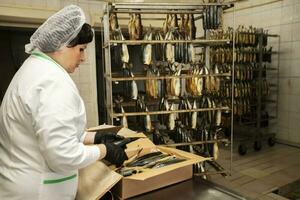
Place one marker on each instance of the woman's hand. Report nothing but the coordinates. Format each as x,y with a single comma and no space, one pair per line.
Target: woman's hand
106,137
115,154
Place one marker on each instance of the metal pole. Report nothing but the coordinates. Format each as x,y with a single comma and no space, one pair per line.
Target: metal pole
232,91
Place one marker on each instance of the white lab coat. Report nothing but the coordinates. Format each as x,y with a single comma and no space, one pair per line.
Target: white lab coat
42,125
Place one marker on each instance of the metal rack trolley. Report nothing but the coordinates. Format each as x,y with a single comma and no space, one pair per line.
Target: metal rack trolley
254,131
158,8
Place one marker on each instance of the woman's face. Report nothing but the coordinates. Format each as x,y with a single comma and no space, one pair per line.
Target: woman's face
73,56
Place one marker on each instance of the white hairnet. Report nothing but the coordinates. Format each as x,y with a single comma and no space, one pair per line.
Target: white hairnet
58,30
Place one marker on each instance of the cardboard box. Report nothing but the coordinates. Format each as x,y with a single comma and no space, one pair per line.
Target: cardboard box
138,183
95,180
155,178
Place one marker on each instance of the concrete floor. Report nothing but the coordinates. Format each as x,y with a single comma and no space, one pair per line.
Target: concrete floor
256,174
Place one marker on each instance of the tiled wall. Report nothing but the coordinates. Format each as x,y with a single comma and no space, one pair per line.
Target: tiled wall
36,11
283,18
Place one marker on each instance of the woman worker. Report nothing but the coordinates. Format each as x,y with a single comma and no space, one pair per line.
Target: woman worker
43,141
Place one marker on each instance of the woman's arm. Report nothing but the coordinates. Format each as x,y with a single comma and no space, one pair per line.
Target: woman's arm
89,138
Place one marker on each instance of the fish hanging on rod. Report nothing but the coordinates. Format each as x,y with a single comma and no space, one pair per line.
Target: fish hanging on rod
138,26
174,84
147,49
218,117
212,16
174,21
135,27
113,24
145,119
163,106
172,117
134,88
183,23
191,27
194,116
167,24
148,123
158,49
131,27
215,148
191,53
124,122
185,117
152,86
169,48
124,53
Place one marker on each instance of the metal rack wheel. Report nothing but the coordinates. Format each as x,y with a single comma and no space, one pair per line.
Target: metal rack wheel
271,141
257,145
242,149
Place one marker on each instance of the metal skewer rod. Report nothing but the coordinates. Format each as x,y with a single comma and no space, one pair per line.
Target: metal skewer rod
162,77
195,143
138,42
162,112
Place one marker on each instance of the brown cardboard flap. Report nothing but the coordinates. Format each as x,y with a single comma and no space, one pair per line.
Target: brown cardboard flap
129,133
141,142
119,129
103,126
95,180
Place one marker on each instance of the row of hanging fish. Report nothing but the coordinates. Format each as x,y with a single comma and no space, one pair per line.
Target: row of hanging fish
173,87
153,86
209,149
265,87
193,119
221,34
120,52
168,52
246,55
212,16
185,26
184,135
120,109
153,53
241,106
246,36
242,55
140,105
200,81
145,119
185,30
189,119
135,27
243,36
244,71
245,89
131,90
197,84
241,89
223,68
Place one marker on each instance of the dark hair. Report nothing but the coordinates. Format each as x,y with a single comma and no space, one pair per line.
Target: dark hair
84,36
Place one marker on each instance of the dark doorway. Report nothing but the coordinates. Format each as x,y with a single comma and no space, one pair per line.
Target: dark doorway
100,78
12,53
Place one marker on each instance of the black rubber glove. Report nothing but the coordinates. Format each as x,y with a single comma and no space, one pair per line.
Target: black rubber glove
115,154
108,137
